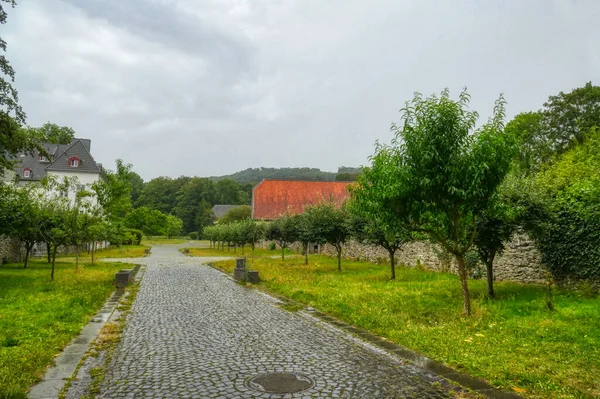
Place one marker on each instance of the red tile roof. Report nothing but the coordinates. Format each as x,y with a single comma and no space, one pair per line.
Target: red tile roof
272,198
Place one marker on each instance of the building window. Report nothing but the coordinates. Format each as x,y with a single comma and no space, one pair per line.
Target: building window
27,173
74,163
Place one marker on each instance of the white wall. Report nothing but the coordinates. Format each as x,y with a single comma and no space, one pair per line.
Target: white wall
86,179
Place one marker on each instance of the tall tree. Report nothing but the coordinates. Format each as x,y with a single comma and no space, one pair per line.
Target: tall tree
53,133
442,172
13,139
113,191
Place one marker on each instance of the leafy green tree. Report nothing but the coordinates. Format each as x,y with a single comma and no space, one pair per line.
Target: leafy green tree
283,232
493,229
193,200
173,226
251,232
230,192
113,191
568,117
370,220
442,173
137,186
161,193
150,221
236,214
330,225
52,133
305,233
534,148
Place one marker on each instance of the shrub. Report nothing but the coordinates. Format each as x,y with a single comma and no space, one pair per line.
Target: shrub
132,236
194,235
272,246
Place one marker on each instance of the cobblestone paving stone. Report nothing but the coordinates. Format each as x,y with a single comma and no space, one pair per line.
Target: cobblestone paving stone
195,333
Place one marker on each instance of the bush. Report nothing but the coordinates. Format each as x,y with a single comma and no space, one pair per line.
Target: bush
194,235
272,246
132,237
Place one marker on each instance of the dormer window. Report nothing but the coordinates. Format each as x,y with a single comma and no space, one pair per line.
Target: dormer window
74,162
42,158
27,173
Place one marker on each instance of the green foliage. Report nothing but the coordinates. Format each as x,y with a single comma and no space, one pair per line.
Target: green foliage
570,188
153,222
256,175
194,235
439,173
132,236
52,133
113,191
236,214
283,231
560,125
330,225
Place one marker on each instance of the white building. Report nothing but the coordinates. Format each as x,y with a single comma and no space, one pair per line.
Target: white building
72,160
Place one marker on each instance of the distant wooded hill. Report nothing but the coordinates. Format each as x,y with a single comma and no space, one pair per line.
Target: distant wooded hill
255,175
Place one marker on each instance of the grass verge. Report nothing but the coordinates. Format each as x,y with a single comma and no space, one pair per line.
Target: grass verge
38,317
514,342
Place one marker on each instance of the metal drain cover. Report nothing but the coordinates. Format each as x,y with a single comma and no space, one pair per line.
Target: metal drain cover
280,382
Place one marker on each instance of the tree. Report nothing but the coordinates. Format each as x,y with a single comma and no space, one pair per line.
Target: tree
193,199
534,149
113,191
283,232
13,139
52,133
150,221
137,186
568,117
305,232
330,225
236,214
493,229
442,173
373,222
173,226
252,232
161,193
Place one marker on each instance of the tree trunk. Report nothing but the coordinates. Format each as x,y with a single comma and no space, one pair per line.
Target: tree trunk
306,254
53,262
392,263
48,252
339,252
77,257
490,275
243,249
462,272
27,252
93,250
282,252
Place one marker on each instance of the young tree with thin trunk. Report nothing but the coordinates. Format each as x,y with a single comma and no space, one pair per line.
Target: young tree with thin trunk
283,232
331,225
442,172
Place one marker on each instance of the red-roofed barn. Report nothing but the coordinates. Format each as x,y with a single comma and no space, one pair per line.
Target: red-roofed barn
272,198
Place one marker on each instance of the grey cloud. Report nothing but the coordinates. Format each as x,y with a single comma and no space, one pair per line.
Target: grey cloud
210,87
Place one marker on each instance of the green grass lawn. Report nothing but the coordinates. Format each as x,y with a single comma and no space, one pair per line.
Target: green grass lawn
39,317
125,251
513,342
161,241
238,252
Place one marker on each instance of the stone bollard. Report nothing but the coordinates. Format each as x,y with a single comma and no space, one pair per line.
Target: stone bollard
241,273
123,277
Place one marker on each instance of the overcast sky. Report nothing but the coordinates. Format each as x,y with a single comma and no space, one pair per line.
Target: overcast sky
210,87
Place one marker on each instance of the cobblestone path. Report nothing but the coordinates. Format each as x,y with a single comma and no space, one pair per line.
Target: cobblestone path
194,333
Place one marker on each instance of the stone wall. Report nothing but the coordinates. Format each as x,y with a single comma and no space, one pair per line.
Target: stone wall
520,262
9,250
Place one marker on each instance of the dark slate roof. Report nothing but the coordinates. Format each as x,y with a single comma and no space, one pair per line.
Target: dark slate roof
220,210
78,147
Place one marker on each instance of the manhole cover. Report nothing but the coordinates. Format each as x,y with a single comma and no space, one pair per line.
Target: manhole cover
280,382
